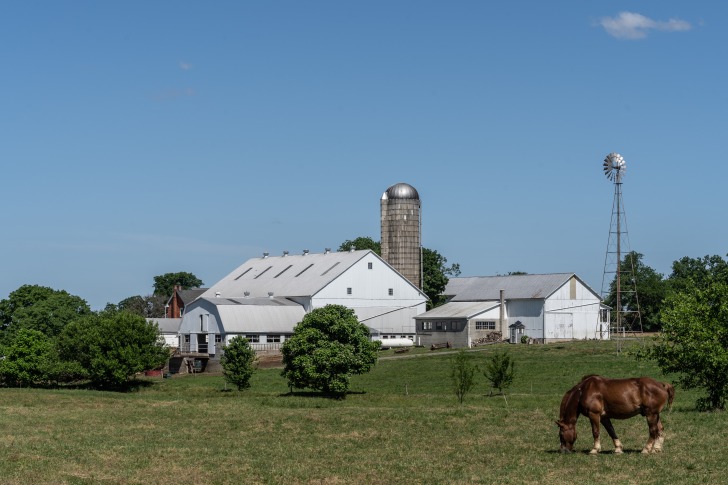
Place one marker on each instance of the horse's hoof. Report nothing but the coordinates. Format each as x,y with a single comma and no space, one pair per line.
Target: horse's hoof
657,450
618,451
594,451
645,451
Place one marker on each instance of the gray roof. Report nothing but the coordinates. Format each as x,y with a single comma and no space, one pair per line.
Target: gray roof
401,191
531,286
167,325
188,296
285,276
460,309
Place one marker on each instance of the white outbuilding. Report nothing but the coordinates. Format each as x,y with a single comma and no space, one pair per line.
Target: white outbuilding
264,299
542,307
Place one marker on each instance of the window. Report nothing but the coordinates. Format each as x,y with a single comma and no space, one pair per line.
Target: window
426,325
287,268
332,267
243,273
218,338
253,339
391,292
438,326
348,291
385,336
187,338
273,338
303,270
370,265
453,326
202,323
262,272
485,325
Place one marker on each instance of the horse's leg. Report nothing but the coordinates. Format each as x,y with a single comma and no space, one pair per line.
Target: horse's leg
653,422
660,436
612,434
595,422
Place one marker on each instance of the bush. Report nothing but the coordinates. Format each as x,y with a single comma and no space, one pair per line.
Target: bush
326,349
238,362
462,375
112,347
500,371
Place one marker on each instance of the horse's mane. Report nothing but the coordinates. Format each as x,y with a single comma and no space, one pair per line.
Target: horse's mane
570,401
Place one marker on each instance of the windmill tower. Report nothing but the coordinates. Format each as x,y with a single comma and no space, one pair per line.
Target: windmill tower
626,311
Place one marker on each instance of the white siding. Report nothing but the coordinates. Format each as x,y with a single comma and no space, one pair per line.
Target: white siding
572,318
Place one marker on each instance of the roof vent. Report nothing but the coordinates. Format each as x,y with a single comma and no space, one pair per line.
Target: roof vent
285,253
246,294
217,294
327,250
270,294
305,252
265,255
352,249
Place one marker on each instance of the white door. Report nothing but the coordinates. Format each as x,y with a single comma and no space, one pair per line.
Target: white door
563,325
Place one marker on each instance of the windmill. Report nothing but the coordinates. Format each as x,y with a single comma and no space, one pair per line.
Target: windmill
625,317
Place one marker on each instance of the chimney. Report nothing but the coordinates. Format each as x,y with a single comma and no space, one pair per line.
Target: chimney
502,312
305,252
265,255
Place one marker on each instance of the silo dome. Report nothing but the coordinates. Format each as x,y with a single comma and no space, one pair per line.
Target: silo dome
401,191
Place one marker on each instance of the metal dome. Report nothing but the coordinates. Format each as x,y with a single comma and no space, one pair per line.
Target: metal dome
401,191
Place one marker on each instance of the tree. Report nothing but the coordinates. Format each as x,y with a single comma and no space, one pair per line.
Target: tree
694,338
112,347
164,284
462,374
238,362
326,349
500,371
435,276
40,308
150,306
651,290
362,242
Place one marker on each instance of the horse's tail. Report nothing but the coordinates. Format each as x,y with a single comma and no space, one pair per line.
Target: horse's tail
670,394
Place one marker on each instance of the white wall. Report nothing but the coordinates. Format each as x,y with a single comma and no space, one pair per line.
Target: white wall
572,315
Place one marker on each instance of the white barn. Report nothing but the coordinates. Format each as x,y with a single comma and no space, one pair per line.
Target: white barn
264,298
547,308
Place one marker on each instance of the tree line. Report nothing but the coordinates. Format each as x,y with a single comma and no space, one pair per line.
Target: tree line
49,337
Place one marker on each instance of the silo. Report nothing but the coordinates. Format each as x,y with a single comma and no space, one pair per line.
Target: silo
402,231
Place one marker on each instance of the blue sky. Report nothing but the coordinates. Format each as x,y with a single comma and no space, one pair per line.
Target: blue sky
140,138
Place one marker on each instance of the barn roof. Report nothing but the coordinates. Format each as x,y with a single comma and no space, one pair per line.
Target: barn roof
301,275
167,325
530,286
460,309
254,315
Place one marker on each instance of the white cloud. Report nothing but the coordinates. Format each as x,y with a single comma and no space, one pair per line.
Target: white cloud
630,25
185,66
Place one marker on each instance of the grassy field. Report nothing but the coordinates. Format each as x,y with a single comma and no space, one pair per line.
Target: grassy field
400,424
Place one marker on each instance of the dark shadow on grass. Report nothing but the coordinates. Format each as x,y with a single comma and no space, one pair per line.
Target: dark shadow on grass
586,452
319,394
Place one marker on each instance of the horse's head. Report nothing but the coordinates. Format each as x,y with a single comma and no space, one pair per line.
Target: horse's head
567,436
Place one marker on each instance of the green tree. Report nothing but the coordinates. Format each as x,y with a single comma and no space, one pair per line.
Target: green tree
500,371
238,362
112,347
164,284
694,338
150,306
650,291
362,243
688,273
462,374
326,349
435,273
40,308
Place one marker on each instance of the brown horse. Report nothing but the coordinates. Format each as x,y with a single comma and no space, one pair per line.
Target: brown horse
601,399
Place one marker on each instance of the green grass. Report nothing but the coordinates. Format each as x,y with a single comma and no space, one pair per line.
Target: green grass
400,424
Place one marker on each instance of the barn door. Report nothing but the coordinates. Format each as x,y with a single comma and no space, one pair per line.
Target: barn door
564,325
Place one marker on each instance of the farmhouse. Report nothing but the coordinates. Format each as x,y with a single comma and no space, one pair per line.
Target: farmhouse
264,298
547,308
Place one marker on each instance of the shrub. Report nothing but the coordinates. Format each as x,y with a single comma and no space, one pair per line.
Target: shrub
500,371
238,362
462,374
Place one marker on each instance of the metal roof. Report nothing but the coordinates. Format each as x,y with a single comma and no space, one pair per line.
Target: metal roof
401,191
299,275
531,286
460,309
188,296
260,318
167,325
